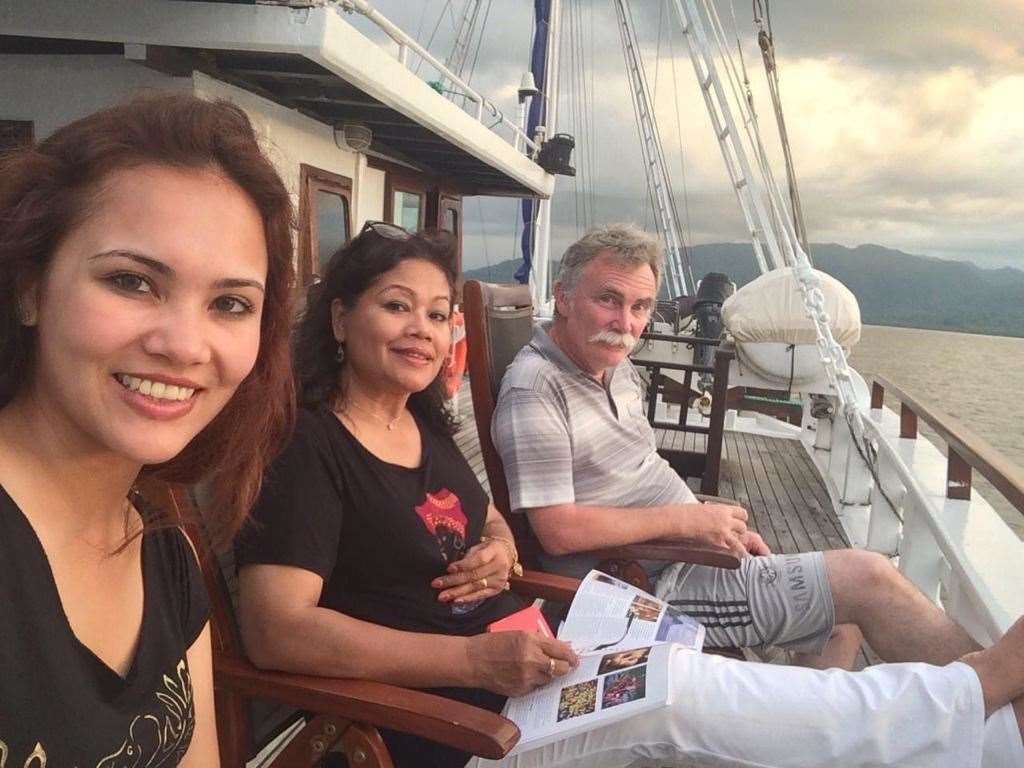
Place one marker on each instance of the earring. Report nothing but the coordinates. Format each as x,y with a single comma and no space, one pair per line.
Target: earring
25,316
339,356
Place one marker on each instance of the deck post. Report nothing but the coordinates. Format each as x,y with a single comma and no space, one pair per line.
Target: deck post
877,395
652,401
908,422
719,395
958,476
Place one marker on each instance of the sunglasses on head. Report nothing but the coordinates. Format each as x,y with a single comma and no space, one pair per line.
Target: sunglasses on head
386,229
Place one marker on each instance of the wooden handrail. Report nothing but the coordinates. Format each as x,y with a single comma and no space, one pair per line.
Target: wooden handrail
965,449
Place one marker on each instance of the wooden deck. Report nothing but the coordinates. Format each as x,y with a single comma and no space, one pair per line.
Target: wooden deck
773,478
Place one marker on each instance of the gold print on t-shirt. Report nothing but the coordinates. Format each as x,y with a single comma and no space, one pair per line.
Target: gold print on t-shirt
36,760
153,740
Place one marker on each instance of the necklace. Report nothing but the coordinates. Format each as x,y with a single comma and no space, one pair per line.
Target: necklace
390,424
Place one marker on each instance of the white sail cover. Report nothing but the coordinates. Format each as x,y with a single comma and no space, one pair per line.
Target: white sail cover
771,308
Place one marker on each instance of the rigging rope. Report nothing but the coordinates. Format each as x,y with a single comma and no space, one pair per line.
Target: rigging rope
766,41
679,136
440,18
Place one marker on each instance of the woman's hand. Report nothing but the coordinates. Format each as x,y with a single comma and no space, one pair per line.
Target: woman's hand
514,663
483,572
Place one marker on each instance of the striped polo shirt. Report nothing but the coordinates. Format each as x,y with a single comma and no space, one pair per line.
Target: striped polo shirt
566,438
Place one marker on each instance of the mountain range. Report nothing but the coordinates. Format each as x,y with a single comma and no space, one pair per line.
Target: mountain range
892,287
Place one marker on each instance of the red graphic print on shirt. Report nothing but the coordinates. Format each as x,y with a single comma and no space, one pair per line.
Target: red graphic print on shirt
442,514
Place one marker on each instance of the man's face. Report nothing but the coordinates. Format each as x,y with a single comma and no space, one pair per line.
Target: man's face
605,313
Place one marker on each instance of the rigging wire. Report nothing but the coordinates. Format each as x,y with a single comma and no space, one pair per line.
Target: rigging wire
440,18
479,40
779,216
766,42
591,149
682,155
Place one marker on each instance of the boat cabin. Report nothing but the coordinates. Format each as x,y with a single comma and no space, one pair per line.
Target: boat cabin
354,132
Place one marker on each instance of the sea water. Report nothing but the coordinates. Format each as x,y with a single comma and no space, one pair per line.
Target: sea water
978,380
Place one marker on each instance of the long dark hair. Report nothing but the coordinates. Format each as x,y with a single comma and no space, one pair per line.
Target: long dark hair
353,269
47,190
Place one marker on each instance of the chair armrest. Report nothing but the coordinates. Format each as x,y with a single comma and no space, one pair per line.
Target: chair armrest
671,551
548,586
463,726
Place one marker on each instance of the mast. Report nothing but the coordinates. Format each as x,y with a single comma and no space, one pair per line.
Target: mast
540,285
536,237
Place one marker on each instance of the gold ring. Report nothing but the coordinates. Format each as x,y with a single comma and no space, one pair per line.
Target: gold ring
551,667
507,586
483,583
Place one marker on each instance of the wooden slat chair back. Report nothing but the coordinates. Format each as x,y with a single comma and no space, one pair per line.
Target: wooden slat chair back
498,324
337,713
245,724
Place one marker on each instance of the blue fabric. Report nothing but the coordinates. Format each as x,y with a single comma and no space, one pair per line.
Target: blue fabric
538,65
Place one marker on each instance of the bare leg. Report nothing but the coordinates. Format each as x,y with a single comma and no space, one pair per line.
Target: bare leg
1001,671
897,620
840,651
1018,710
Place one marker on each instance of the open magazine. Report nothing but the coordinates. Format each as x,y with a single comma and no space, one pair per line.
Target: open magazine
625,638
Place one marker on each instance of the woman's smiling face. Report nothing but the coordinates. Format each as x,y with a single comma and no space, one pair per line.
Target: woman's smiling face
148,316
398,333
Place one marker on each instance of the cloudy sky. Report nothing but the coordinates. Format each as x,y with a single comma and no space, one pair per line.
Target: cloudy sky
906,119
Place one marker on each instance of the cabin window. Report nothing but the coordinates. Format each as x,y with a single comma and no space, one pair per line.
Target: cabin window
15,134
407,209
450,220
325,212
332,225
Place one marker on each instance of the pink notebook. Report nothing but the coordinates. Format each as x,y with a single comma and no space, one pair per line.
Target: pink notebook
530,619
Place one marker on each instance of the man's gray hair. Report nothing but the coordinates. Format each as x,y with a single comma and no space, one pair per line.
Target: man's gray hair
626,244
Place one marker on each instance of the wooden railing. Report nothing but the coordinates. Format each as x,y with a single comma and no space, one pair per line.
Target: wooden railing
955,548
965,450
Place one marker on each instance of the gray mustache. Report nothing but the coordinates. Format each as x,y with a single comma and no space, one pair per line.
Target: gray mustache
614,339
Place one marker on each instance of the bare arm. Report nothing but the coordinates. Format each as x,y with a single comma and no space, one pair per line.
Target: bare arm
566,528
284,628
203,751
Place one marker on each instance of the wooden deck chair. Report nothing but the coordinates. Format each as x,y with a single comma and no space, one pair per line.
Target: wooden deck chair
253,706
499,322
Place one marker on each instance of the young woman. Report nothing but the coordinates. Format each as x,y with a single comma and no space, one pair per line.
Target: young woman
377,555
145,278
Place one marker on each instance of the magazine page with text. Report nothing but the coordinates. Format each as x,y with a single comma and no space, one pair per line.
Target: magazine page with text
605,688
609,614
625,638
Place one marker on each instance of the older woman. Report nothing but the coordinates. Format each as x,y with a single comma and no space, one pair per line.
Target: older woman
377,555
145,274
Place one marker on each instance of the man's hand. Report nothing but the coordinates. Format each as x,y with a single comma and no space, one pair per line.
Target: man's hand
754,544
514,663
719,525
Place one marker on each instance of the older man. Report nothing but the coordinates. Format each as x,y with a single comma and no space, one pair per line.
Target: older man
581,463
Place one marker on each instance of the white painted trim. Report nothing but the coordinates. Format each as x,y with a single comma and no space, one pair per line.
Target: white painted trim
319,34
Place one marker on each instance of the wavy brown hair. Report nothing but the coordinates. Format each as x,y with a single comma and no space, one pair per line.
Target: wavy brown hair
351,270
48,189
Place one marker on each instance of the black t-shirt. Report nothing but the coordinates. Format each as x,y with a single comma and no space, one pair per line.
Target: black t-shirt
60,704
378,534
